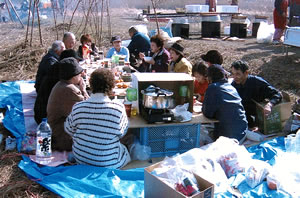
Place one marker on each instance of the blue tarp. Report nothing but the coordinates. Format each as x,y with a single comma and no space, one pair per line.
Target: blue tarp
89,181
11,100
86,181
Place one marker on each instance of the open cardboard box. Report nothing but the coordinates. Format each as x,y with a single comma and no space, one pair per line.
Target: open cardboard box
170,81
155,187
279,115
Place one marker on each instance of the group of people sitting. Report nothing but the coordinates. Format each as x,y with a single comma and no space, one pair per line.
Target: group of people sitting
91,126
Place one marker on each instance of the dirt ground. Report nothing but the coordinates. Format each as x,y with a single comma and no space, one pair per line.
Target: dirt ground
20,63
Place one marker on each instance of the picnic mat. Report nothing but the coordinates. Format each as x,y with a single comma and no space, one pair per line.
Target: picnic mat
90,181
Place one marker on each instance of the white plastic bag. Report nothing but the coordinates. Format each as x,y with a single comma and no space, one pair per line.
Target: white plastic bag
265,33
139,152
181,113
285,174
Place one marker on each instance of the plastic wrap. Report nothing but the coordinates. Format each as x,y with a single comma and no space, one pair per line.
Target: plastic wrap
257,172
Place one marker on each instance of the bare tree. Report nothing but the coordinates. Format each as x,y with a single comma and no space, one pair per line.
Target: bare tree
155,4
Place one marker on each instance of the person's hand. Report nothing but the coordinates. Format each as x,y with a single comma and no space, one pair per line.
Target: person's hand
268,108
141,55
284,14
82,85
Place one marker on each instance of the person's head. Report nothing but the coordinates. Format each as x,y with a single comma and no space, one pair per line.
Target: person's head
199,71
70,70
212,57
58,47
116,41
102,81
86,39
70,53
176,52
216,73
240,71
132,30
157,43
69,40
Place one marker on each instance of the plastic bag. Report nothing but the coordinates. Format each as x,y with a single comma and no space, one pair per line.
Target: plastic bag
285,174
292,124
10,143
181,113
29,142
204,136
265,33
139,152
233,157
257,172
175,175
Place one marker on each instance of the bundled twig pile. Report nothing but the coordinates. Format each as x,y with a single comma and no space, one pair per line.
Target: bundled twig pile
19,63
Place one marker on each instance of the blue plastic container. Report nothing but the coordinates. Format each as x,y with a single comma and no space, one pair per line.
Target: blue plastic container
171,139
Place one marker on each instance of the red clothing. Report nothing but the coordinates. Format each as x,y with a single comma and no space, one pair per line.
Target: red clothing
280,10
200,89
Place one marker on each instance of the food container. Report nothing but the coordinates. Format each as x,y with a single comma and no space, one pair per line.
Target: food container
157,98
147,58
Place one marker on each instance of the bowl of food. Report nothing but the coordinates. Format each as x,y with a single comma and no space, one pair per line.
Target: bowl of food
126,77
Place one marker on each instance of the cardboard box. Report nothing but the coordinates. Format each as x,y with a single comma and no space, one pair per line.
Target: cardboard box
155,187
275,121
170,81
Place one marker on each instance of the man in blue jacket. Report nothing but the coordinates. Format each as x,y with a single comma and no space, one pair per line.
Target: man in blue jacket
253,88
222,102
139,43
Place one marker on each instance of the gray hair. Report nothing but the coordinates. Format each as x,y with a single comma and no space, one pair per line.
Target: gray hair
57,46
67,35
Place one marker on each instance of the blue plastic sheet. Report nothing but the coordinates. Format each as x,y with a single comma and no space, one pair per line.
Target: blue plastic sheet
11,100
266,151
86,181
89,181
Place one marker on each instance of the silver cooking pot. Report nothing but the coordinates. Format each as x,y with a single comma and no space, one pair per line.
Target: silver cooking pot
157,98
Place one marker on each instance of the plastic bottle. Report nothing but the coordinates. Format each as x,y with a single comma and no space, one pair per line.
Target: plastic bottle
115,59
43,143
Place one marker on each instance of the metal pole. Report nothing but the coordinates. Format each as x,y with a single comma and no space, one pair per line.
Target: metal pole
16,12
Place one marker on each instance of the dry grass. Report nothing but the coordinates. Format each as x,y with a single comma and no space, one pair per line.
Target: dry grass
17,62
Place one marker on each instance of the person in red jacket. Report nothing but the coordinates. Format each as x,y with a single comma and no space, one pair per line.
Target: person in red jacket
199,71
280,19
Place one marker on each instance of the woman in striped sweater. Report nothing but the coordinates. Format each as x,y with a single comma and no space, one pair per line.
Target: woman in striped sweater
97,125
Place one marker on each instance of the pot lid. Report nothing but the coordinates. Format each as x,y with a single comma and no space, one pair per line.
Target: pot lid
156,91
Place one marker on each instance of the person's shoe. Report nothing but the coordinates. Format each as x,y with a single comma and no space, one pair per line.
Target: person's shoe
275,42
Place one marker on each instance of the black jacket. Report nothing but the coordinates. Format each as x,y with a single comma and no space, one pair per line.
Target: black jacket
257,89
49,81
47,61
